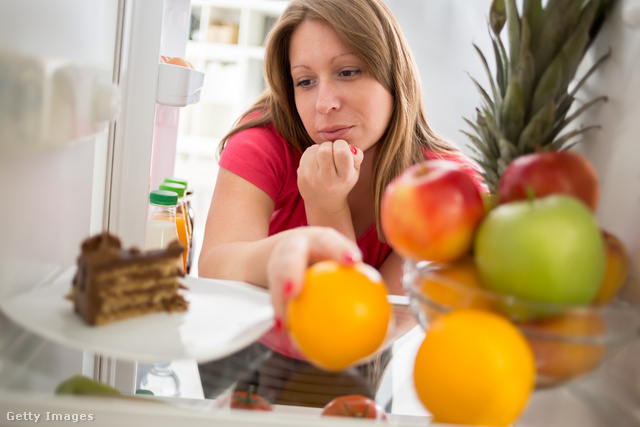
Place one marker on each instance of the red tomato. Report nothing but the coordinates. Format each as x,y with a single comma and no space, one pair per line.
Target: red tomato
354,406
249,400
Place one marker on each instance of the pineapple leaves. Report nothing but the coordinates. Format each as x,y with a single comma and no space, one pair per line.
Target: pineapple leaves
494,90
566,102
529,103
526,70
538,131
502,63
497,16
562,69
559,142
577,113
560,17
512,114
534,14
513,28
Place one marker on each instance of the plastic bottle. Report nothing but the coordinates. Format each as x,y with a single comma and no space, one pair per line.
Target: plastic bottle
184,200
186,203
181,218
191,216
161,219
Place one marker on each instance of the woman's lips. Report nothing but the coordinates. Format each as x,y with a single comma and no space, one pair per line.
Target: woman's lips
331,134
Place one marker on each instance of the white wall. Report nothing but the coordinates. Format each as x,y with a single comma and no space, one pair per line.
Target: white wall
441,33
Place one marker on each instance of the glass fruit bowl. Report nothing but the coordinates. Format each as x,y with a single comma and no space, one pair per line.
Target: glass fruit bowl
567,341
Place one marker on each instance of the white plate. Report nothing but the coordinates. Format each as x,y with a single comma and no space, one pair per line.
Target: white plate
223,317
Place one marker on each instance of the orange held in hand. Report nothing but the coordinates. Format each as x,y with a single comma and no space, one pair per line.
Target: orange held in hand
341,316
474,367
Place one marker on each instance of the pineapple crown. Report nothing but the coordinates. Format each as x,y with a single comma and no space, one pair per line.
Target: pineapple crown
527,107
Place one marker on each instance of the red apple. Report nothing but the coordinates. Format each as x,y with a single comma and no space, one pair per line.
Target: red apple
431,211
551,172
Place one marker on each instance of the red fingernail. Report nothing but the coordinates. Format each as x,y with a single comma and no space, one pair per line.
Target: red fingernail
354,150
351,257
288,289
277,325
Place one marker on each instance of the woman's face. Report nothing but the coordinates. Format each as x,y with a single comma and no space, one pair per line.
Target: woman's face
337,96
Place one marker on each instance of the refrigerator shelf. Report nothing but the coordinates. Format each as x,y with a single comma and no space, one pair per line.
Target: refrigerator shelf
179,86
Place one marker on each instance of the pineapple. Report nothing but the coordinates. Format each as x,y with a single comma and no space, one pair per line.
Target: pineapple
528,105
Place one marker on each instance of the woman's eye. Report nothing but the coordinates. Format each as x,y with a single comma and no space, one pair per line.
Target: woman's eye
349,73
303,83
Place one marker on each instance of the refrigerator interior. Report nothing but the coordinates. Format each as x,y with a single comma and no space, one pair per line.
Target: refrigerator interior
99,178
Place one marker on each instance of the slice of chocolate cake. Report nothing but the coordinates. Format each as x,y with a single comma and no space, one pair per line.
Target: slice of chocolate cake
114,283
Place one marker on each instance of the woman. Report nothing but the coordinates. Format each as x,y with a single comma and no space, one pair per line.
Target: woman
341,117
302,174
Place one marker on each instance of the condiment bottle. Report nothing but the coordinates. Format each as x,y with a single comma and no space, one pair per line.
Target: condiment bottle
161,219
181,222
185,202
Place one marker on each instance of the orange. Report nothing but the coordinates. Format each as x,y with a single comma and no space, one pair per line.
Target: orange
454,285
341,315
474,367
565,346
616,269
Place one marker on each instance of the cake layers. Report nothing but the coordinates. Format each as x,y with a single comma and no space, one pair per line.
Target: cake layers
113,284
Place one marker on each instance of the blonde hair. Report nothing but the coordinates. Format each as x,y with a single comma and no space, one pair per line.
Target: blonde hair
369,30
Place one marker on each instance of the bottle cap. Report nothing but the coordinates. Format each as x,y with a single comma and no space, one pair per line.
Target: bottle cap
172,186
163,197
177,180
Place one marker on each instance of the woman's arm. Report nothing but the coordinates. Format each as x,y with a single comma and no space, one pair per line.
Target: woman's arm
326,174
391,270
237,245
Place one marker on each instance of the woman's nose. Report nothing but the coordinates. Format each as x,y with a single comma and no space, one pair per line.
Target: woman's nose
328,98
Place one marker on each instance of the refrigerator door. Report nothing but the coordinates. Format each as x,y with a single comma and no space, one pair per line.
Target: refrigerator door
57,98
79,119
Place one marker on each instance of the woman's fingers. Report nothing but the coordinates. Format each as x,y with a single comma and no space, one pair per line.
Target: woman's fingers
293,254
343,158
336,158
325,157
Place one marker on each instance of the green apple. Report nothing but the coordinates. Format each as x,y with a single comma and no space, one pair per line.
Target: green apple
548,250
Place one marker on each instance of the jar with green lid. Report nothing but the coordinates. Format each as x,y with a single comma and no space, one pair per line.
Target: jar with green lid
161,226
187,202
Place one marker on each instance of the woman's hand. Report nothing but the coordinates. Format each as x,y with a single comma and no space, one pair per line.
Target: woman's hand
326,175
292,255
